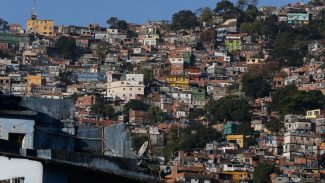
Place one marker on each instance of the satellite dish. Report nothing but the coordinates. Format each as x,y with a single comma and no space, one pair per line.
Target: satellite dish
143,149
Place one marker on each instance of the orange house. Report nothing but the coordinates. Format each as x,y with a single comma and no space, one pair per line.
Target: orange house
34,81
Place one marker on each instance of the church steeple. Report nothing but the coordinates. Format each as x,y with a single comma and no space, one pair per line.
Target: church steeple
34,14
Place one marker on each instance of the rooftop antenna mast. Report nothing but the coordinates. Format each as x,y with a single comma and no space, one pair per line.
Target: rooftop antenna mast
34,14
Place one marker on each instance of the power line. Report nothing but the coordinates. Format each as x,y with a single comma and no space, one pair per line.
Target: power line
66,135
83,138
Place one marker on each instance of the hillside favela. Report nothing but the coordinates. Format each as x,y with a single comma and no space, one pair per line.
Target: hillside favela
228,92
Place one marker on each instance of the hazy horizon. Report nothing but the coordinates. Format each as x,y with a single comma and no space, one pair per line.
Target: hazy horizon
73,12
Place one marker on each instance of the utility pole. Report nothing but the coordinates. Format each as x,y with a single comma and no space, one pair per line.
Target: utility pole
102,141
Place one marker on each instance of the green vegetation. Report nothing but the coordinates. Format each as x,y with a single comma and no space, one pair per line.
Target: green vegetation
101,50
274,125
196,114
104,109
244,128
206,15
154,115
262,173
184,19
189,138
227,10
137,141
147,74
256,86
291,101
229,108
115,23
66,47
133,105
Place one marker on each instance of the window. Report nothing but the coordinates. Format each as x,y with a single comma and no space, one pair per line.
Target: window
139,89
123,88
18,180
130,88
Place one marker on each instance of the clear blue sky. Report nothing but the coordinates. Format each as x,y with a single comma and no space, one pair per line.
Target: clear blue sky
82,12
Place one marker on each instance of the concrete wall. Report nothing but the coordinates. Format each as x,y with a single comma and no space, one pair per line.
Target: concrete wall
57,109
32,171
117,141
21,126
117,138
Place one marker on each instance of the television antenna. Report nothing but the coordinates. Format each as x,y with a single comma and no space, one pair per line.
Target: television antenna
34,14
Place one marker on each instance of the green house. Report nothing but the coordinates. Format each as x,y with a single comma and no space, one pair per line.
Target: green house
298,18
233,45
229,128
198,94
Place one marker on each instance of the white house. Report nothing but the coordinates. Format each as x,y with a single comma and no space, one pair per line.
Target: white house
15,170
18,127
124,86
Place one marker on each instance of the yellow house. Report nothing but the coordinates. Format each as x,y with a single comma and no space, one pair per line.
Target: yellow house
181,82
42,27
239,139
236,176
34,81
312,114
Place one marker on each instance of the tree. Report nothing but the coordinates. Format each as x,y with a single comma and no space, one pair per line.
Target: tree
189,138
274,125
66,47
229,108
133,105
102,49
4,54
197,136
227,10
147,74
279,97
112,22
223,7
251,13
316,2
137,141
244,128
252,28
242,4
154,115
115,23
291,101
255,86
122,25
106,110
196,113
4,26
206,15
184,19
262,173
173,141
